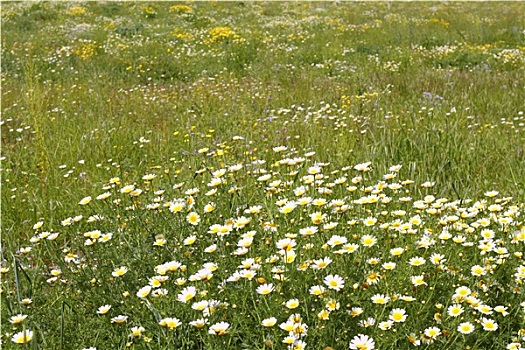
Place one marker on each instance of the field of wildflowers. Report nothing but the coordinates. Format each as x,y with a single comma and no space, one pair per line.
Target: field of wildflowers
262,175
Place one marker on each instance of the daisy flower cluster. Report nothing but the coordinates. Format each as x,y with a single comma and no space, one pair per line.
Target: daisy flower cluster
286,241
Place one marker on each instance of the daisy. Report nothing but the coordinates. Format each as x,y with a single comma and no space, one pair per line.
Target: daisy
398,315
119,319
38,225
193,218
437,259
368,240
317,290
266,288
321,263
380,299
484,309
269,322
350,248
418,280
104,309
466,328
245,242
105,237
208,267
323,315
52,236
17,319
477,271
304,200
290,339
177,206
156,281
288,207
208,208
170,322
161,292
362,167
22,337
335,282
445,235
210,249
370,221
191,191
373,278
220,328
85,201
200,305
407,298
287,326
300,329
317,217
416,261
144,291
455,310
432,332
362,342
214,182
487,233
313,170
355,311
248,274
190,240
292,303
137,331
491,193
286,244
415,220
121,271
149,177
395,168
488,324
336,240
103,196
319,202
373,261
502,310
241,222
299,345
95,234
308,231
389,265
135,193
333,305
385,325
462,292
187,294
199,323
67,222
211,192
476,303
256,209
173,265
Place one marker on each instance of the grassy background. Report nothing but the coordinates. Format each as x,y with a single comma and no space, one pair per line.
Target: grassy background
436,87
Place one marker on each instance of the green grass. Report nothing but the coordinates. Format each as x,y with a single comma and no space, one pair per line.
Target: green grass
97,95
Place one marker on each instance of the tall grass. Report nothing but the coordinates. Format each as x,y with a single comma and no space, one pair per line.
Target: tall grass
97,96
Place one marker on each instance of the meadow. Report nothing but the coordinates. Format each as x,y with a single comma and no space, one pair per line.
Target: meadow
262,175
